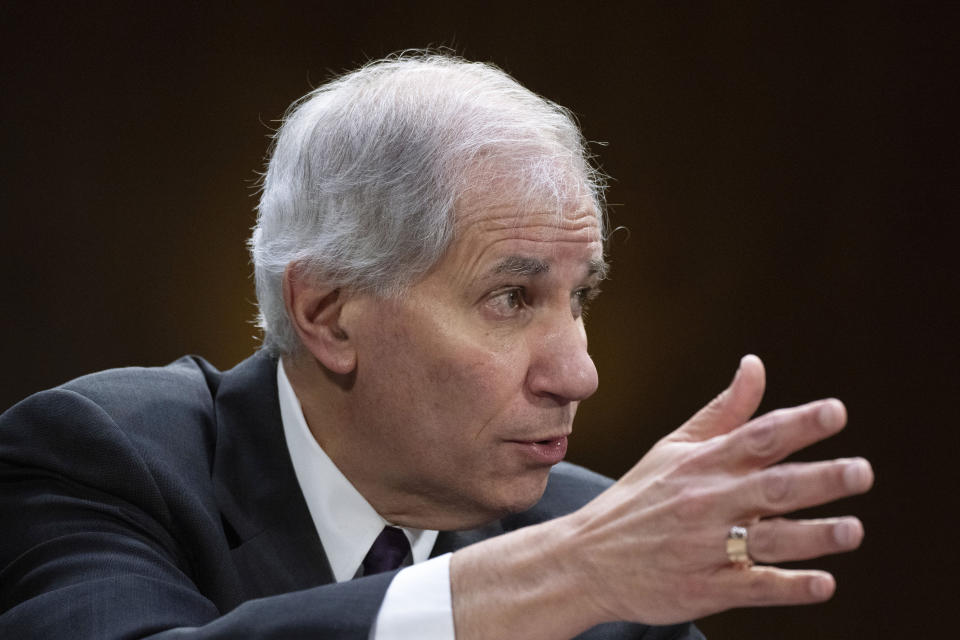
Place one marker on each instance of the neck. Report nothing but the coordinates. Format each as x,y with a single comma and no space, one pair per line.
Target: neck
330,408
321,393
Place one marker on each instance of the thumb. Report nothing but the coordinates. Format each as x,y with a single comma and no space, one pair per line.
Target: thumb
732,407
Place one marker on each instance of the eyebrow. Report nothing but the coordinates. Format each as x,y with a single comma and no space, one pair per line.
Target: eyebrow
521,266
598,267
524,266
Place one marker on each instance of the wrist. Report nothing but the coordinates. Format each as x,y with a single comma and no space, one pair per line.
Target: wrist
528,583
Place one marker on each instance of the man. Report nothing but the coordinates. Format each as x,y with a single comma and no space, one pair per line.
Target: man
430,233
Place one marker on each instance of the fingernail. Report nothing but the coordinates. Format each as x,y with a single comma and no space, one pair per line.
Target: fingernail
821,588
830,415
845,533
857,475
740,367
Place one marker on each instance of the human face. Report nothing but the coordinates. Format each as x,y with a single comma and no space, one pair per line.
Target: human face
466,386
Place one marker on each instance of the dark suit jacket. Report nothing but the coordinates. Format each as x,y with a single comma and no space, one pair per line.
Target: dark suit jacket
163,501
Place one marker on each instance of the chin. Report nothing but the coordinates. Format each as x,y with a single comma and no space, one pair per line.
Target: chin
500,501
521,495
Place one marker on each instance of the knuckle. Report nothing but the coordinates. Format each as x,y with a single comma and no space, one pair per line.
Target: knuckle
763,542
762,439
777,484
759,587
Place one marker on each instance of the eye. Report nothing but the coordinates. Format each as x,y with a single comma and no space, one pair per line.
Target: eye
508,302
581,299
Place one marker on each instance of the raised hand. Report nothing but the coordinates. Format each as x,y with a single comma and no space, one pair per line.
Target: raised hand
654,544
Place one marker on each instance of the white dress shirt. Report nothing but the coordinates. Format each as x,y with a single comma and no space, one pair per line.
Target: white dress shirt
417,604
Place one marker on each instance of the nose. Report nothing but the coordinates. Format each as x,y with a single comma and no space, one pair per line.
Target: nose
560,367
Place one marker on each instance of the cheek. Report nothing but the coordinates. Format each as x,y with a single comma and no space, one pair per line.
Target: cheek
467,391
469,387
447,378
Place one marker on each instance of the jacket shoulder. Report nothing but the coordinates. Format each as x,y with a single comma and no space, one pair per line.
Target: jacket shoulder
569,487
123,431
572,486
191,380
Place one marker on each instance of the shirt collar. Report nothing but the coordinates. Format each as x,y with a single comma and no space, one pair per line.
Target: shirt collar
345,521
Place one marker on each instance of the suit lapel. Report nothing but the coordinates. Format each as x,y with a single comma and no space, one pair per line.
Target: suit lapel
274,543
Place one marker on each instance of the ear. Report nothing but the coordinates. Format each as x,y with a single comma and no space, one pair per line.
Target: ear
314,310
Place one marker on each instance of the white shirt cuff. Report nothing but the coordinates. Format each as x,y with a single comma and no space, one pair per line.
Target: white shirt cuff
417,605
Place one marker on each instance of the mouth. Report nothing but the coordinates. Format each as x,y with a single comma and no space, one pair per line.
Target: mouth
548,451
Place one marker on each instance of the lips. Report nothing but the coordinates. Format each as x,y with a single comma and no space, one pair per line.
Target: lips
549,451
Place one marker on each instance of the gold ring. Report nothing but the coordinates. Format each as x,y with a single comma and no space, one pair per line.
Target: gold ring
737,547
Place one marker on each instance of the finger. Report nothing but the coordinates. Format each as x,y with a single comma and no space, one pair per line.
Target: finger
782,540
788,487
771,586
732,407
775,435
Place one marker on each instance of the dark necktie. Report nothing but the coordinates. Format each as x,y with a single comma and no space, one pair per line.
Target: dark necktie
388,552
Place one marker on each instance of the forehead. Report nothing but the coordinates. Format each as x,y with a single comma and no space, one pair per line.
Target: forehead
496,231
547,223
540,189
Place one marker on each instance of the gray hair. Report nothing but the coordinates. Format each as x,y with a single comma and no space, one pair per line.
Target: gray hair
365,172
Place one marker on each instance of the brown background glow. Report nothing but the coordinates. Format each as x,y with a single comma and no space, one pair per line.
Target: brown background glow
788,177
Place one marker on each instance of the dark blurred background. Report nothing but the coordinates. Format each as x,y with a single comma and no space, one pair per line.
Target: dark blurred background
788,174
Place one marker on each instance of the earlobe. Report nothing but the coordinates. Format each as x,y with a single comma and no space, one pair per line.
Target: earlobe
315,311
